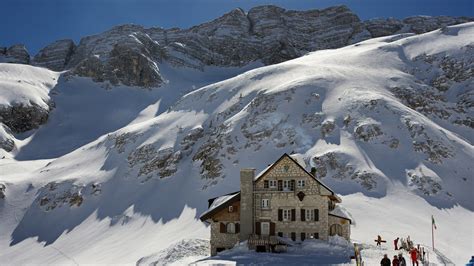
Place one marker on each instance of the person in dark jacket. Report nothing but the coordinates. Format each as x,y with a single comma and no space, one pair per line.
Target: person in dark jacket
385,261
401,260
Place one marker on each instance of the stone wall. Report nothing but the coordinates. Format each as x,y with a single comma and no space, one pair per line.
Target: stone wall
316,197
346,226
221,240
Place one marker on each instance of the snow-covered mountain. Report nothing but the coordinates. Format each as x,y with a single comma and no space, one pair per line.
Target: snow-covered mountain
125,172
130,54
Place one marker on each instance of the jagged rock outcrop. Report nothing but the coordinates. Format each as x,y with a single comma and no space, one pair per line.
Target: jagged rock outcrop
14,54
417,24
55,56
122,55
6,139
21,118
2,191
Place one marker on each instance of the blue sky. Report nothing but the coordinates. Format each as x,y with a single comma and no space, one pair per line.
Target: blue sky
37,23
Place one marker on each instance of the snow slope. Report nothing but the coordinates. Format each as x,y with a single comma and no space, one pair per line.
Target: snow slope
82,109
348,112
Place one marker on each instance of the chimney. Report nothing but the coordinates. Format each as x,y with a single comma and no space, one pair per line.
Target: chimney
313,171
246,202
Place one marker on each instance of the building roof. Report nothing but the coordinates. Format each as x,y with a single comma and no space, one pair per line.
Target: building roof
340,213
219,203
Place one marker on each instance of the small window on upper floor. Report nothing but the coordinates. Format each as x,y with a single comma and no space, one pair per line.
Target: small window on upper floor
301,183
272,183
265,203
231,208
230,228
286,215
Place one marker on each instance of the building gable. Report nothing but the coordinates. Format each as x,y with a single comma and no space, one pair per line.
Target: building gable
220,205
287,167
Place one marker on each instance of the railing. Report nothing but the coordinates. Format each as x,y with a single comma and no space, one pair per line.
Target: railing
261,240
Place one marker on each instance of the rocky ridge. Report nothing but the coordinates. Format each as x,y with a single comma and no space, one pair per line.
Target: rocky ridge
14,54
131,54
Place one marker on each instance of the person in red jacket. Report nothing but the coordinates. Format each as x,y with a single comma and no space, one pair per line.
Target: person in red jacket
395,261
414,256
395,243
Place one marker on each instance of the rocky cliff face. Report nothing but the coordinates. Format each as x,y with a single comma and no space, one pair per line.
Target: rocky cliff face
125,54
55,56
14,54
130,54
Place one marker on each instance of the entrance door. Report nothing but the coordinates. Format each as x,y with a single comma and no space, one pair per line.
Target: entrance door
265,228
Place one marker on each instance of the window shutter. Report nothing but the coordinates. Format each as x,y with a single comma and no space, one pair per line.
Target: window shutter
292,185
237,228
222,228
293,214
280,215
293,236
303,217
257,228
272,229
265,184
303,236
280,185
316,214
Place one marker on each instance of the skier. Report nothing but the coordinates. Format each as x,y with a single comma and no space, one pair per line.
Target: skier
395,243
379,240
385,261
414,256
401,260
395,261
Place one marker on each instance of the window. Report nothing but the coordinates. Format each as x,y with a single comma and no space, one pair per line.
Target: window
265,203
331,205
265,228
286,215
230,228
301,183
265,184
288,185
316,235
273,183
335,229
231,208
280,234
309,215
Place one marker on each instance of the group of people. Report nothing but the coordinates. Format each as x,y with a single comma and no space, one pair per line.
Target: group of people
416,253
396,261
405,244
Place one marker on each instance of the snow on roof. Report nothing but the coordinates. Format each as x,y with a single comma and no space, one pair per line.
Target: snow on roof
299,159
262,172
219,201
342,212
